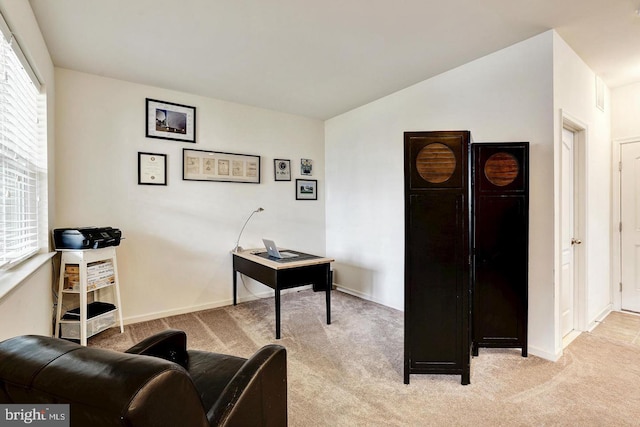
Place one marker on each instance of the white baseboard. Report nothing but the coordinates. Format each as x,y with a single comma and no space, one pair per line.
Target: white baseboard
600,317
353,292
174,312
568,339
552,357
362,296
207,306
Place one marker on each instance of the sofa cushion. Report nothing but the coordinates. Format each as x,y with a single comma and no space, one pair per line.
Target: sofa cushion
211,372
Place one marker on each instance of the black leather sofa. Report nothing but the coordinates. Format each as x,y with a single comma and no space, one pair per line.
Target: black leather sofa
158,382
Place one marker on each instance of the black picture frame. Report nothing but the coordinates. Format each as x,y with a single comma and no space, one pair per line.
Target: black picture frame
306,189
205,165
282,169
168,120
306,167
152,169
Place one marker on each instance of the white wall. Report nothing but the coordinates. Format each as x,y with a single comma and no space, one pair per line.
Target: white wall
505,96
625,128
625,108
27,309
575,95
175,257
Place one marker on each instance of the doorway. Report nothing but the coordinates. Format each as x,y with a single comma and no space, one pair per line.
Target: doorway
630,226
567,224
572,289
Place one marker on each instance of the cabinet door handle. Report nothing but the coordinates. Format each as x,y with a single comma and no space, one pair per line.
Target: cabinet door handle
575,241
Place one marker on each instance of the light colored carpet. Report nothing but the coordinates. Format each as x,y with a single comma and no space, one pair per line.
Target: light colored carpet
350,373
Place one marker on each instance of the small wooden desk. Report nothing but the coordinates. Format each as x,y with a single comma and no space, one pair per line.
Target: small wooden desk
285,274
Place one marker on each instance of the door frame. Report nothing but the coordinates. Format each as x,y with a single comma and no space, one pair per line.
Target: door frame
616,218
581,184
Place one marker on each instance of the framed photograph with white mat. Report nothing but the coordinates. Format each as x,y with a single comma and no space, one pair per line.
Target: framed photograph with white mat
306,189
167,120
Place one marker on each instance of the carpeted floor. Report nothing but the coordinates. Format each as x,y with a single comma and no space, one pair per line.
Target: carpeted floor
350,373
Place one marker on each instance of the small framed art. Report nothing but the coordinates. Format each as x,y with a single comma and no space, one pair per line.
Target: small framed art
306,167
152,169
282,169
306,189
201,165
166,120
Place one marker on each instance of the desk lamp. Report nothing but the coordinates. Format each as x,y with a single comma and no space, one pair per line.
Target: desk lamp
239,248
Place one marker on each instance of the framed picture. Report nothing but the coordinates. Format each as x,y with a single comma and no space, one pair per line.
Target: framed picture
166,120
306,189
152,169
306,166
282,169
201,165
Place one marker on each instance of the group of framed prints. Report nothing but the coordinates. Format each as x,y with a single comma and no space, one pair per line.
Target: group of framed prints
282,168
306,189
177,122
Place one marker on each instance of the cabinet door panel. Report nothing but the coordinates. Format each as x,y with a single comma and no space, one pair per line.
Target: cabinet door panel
500,255
500,245
435,254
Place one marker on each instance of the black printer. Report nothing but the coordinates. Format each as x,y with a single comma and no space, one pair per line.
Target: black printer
86,237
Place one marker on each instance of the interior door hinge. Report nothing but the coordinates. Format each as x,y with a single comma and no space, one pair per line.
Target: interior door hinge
620,227
620,166
620,286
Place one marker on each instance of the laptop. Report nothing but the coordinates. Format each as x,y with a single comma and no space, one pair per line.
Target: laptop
273,251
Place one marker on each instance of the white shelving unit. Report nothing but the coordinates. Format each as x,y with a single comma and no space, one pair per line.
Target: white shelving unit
84,326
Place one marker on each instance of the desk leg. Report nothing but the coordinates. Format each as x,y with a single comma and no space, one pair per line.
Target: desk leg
277,313
235,287
329,286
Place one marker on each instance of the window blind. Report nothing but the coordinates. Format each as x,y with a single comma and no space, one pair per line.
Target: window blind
20,156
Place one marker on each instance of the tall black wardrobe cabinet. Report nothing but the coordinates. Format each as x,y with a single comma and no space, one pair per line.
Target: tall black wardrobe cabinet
466,250
500,212
437,254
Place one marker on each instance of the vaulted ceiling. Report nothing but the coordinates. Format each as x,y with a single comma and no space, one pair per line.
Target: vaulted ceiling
321,58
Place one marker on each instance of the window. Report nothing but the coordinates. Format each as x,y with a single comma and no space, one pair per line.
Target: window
22,154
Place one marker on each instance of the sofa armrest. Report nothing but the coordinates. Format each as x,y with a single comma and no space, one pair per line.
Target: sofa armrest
102,387
257,394
169,345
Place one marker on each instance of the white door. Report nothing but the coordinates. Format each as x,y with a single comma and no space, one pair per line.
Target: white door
630,217
567,227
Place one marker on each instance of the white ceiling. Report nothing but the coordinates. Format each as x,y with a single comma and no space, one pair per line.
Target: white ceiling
320,58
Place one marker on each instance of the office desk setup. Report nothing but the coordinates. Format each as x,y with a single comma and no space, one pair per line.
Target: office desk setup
281,274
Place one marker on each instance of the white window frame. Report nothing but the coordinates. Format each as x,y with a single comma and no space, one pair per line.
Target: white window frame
24,157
